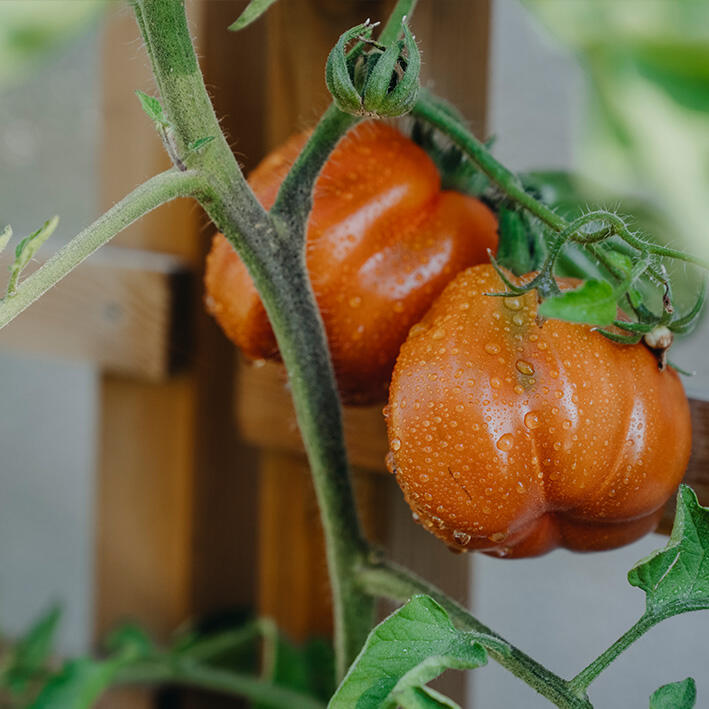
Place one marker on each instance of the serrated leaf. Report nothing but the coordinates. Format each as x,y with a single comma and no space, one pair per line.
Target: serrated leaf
77,686
678,695
152,107
408,649
26,249
31,652
200,143
425,698
676,578
253,11
593,303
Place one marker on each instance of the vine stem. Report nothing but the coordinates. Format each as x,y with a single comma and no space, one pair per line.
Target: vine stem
275,258
224,681
156,191
584,678
389,580
430,110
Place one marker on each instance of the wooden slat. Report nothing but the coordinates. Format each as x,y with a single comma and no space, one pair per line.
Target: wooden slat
122,310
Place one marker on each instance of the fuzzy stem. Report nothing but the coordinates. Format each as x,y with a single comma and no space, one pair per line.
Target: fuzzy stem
151,194
275,258
187,674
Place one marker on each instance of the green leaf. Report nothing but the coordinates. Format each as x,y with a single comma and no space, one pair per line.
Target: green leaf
77,686
513,251
424,698
152,107
593,303
26,250
408,649
31,653
129,642
200,143
678,695
253,11
676,578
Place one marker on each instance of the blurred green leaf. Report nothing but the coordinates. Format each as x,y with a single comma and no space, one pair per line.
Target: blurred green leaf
152,107
5,236
29,31
253,11
678,695
648,109
31,653
26,250
593,303
129,642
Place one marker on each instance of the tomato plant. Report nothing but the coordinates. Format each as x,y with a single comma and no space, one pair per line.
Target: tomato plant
382,241
514,437
509,433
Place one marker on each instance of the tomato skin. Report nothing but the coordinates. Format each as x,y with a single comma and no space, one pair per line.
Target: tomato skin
382,242
514,438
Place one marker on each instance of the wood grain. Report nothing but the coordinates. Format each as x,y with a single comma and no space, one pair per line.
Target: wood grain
122,310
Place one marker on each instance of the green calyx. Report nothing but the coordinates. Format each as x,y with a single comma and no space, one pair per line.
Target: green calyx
370,79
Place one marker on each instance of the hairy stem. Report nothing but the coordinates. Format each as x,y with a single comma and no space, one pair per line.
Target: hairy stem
275,258
223,681
390,33
389,580
584,678
151,194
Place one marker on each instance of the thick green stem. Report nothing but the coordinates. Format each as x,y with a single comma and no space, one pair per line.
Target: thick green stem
386,579
390,33
151,194
584,678
275,258
222,681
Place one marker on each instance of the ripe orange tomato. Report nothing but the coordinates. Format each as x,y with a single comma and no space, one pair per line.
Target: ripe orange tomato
514,438
383,240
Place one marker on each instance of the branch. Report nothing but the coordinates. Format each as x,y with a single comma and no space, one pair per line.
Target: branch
151,194
389,580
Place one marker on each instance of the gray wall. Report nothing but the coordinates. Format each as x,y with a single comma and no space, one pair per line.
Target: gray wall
48,139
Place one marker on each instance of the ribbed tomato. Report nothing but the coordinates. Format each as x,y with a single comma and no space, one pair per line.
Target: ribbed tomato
514,438
383,240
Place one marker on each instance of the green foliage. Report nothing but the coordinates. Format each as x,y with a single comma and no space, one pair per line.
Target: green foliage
253,11
5,236
403,653
521,248
678,695
153,108
26,250
594,303
200,143
648,117
676,578
30,31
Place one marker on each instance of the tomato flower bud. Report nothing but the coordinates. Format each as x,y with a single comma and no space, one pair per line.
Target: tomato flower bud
373,80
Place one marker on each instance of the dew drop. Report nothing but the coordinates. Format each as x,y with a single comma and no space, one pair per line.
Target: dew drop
497,537
495,383
531,420
512,303
395,444
520,487
355,301
524,367
505,442
438,334
389,460
492,348
518,389
461,537
518,319
566,424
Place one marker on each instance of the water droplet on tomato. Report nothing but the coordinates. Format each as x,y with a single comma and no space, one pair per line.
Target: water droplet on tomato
524,367
520,487
495,383
461,537
512,303
389,460
492,348
438,334
531,420
395,444
505,442
497,537
355,301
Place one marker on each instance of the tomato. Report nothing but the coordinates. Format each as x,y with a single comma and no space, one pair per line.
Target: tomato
383,240
515,438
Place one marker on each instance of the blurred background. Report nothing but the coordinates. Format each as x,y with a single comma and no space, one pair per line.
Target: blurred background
616,91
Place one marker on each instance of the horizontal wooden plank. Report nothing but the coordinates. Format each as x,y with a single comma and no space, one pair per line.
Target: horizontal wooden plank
266,418
126,311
